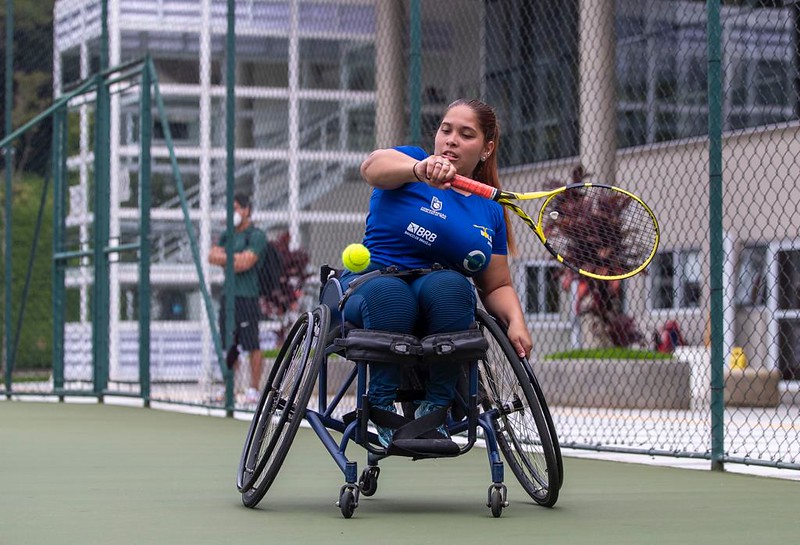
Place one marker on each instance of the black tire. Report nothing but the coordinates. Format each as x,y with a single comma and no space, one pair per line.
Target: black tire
282,405
347,503
537,389
522,431
496,502
368,483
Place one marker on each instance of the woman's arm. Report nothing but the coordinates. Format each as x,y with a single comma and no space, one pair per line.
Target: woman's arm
501,301
388,169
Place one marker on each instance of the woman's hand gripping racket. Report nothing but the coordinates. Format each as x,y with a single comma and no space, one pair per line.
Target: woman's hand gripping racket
599,231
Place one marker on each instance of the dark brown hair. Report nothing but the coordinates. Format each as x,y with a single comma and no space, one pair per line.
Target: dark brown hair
486,171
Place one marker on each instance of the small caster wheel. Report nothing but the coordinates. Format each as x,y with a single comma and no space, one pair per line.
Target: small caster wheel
496,503
498,498
368,483
347,502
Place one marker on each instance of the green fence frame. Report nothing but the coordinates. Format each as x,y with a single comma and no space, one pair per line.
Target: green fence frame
101,84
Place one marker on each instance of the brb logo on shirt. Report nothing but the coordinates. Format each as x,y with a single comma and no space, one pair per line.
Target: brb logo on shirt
419,233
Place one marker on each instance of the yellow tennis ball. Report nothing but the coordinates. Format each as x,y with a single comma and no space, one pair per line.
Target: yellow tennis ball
356,257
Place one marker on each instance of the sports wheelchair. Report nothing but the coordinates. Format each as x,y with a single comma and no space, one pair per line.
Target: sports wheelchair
499,403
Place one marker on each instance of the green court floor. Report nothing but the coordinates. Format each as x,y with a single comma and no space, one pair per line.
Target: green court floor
104,474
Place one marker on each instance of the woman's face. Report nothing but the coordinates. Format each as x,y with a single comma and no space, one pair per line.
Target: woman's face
461,140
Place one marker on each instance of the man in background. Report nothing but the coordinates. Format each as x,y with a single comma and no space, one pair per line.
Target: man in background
249,244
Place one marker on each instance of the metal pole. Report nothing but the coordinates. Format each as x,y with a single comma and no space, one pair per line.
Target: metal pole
9,166
103,35
230,167
145,203
102,167
60,127
415,73
796,56
715,232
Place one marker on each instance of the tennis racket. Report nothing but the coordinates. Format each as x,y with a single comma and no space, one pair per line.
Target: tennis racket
599,231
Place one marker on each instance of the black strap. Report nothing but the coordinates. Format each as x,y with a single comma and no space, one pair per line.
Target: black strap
391,270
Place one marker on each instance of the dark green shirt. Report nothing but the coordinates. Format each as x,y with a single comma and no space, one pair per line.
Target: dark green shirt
245,283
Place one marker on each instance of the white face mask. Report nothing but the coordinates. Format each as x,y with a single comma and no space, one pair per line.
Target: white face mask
237,219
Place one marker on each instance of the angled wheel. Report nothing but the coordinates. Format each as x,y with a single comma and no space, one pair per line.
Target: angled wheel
537,389
282,405
520,425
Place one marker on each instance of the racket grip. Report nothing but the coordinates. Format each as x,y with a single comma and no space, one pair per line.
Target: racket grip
476,188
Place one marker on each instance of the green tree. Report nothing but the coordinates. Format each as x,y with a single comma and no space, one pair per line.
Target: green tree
33,82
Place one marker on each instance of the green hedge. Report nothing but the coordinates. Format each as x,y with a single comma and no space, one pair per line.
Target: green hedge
612,353
35,349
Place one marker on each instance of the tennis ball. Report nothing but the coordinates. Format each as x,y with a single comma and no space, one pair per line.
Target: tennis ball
356,257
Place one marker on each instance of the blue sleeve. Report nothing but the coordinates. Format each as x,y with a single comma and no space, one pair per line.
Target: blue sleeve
414,152
500,242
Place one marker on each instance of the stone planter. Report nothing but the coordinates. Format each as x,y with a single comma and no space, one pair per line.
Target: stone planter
624,384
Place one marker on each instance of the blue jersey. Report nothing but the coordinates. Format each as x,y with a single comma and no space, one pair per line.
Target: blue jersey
417,225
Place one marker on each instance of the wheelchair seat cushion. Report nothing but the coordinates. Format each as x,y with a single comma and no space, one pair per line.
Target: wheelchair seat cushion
380,346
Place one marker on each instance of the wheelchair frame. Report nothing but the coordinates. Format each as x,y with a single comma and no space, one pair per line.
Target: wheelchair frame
503,399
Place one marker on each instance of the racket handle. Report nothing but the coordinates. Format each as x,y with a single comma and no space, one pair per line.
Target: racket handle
476,188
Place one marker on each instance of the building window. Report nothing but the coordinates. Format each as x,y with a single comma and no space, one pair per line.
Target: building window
541,288
789,280
531,77
750,277
788,296
676,280
662,67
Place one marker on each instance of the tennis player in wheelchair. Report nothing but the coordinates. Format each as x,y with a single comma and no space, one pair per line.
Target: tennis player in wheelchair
415,221
410,323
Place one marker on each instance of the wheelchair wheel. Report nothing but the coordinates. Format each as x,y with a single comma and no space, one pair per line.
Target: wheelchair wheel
522,431
537,389
282,405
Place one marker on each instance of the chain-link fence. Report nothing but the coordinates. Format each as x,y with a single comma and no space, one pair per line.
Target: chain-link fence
691,105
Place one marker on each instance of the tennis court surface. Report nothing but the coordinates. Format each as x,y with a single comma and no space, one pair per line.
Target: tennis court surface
88,473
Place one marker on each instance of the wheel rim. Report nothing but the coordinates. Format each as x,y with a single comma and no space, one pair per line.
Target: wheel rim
517,432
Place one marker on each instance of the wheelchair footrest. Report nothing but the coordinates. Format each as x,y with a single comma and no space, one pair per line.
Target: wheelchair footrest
423,448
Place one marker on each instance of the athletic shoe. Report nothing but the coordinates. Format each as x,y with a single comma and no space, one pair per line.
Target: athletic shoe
385,434
425,408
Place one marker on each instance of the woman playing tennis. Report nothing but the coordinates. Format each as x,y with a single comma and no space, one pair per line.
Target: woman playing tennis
416,219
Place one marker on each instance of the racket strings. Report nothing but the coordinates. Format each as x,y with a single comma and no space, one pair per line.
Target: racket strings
599,229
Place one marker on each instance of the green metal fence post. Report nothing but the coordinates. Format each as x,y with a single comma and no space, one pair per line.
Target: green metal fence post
60,147
145,203
8,152
415,72
230,174
715,232
101,312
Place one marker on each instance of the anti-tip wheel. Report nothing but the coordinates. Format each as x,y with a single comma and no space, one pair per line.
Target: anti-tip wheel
368,483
